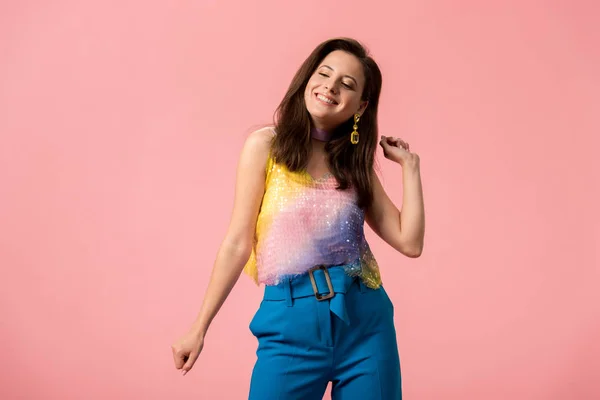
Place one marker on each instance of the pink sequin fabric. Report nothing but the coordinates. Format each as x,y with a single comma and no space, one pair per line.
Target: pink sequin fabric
304,222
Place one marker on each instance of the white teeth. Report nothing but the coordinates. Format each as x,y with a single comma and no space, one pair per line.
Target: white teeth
325,99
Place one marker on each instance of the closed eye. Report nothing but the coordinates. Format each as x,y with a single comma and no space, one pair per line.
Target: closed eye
343,84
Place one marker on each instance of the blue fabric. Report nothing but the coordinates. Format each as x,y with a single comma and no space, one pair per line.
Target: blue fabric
303,344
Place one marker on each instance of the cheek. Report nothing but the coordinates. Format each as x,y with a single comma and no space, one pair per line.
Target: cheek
351,101
307,95
309,88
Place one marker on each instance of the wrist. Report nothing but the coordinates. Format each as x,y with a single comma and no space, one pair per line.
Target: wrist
198,330
411,166
411,161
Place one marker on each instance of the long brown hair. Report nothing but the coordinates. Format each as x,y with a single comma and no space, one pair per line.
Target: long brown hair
350,164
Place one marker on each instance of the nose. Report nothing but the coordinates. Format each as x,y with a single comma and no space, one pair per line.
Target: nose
330,87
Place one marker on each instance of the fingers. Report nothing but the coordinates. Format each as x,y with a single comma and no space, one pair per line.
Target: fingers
393,141
179,358
384,142
190,362
400,143
384,145
404,144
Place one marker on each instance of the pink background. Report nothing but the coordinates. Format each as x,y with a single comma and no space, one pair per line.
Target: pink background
121,125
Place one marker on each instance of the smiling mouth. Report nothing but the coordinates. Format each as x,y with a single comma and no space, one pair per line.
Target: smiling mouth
325,100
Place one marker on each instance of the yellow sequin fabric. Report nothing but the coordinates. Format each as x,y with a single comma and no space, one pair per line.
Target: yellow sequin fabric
304,222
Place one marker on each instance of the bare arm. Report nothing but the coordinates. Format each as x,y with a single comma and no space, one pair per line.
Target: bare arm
403,230
237,244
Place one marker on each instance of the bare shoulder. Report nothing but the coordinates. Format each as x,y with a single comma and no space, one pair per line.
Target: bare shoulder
257,145
250,185
263,135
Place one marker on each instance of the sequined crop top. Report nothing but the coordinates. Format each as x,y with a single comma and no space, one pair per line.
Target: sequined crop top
304,222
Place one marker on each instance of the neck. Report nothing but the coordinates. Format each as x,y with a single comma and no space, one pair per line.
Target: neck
320,134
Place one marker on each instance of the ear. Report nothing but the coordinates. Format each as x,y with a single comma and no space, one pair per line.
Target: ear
363,106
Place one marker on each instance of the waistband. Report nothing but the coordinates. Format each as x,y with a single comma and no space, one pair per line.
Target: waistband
325,284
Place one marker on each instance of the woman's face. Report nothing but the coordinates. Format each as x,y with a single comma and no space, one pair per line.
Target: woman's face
333,92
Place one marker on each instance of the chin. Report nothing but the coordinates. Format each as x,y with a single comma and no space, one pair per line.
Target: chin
318,112
323,118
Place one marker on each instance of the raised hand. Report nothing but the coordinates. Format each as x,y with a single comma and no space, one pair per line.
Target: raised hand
397,150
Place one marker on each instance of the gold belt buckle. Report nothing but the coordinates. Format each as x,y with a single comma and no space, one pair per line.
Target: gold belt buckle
314,283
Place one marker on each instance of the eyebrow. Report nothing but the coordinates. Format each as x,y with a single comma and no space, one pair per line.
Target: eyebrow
348,76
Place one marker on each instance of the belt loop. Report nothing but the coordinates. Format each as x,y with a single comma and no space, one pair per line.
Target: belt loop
361,285
288,292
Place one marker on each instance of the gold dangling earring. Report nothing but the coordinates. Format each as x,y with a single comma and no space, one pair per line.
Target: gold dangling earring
354,135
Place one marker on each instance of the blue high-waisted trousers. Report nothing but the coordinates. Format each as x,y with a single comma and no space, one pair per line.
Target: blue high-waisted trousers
304,343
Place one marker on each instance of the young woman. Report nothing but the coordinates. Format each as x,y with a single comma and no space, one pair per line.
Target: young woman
304,189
